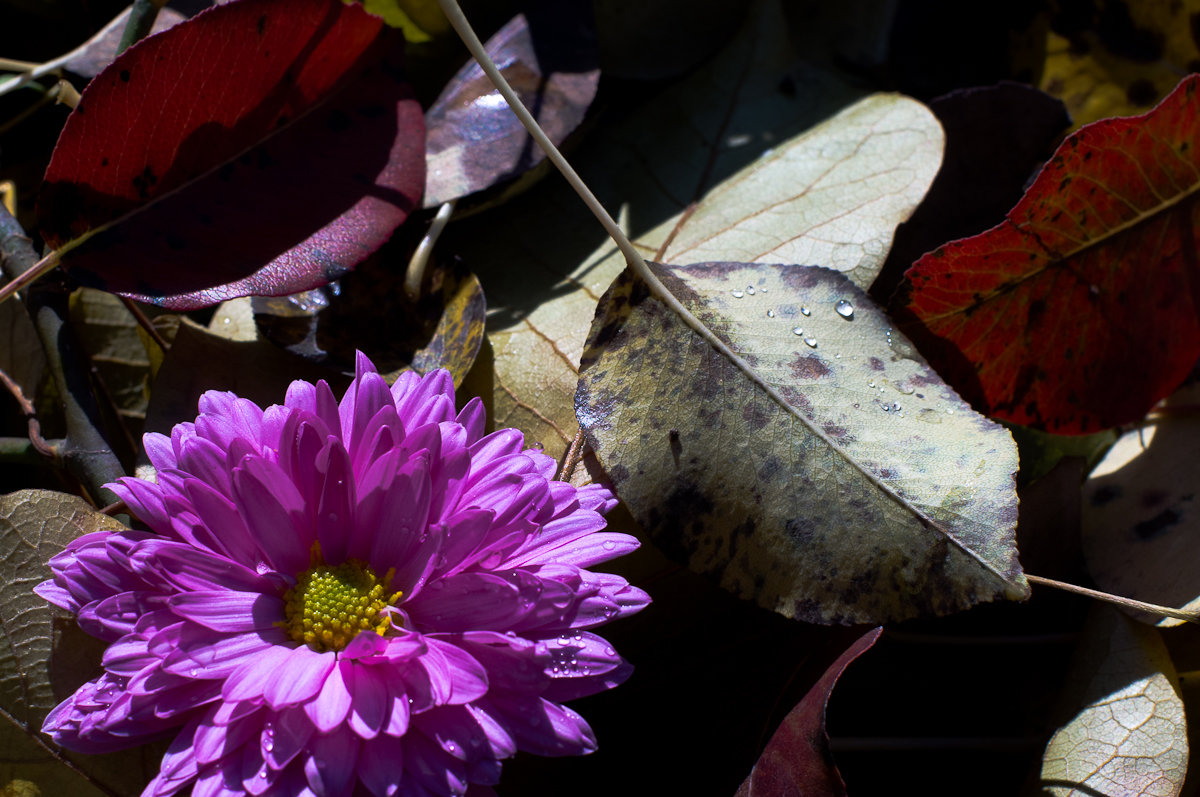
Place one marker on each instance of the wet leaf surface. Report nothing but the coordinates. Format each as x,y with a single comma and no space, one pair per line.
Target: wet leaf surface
473,140
672,149
1127,734
1140,520
44,656
1081,309
185,208
797,761
865,490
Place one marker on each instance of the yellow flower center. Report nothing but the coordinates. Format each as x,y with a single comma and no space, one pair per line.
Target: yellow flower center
332,604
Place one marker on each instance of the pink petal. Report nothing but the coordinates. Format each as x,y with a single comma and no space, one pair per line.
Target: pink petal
275,514
369,710
329,709
330,767
233,612
254,677
302,675
454,675
381,765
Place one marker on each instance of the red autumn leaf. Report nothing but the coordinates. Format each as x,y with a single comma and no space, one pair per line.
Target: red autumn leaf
1082,309
263,146
797,761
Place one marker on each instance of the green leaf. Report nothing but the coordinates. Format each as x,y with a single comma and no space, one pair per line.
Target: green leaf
44,656
1126,733
830,475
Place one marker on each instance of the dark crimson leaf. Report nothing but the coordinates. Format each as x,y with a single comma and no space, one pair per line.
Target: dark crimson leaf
996,138
797,761
207,163
1081,309
474,140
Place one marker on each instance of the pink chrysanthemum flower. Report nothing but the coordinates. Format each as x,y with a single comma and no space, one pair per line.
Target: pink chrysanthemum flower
370,597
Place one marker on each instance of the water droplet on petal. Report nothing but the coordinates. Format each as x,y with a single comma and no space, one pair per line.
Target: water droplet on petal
797,331
805,311
737,294
609,545
844,308
811,341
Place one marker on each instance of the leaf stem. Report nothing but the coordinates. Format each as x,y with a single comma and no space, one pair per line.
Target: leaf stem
414,277
27,409
30,275
1128,603
141,21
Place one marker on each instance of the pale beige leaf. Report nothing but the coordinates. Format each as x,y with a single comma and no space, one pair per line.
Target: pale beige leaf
1127,735
1141,522
831,475
830,197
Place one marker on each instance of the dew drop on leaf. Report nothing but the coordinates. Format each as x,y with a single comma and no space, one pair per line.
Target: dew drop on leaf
844,308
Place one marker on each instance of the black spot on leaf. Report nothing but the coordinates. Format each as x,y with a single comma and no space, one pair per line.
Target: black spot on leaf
1148,529
124,76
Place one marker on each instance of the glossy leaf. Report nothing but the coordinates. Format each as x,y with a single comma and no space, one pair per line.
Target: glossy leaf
797,761
864,490
206,162
44,656
1140,521
1127,733
1081,309
473,139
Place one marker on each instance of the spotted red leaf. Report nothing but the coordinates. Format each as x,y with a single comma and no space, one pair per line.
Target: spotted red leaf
263,146
1082,309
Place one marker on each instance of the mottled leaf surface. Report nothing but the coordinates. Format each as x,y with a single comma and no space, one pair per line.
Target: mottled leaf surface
473,140
1126,733
43,654
797,761
109,335
543,280
865,490
1082,308
260,147
1141,524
